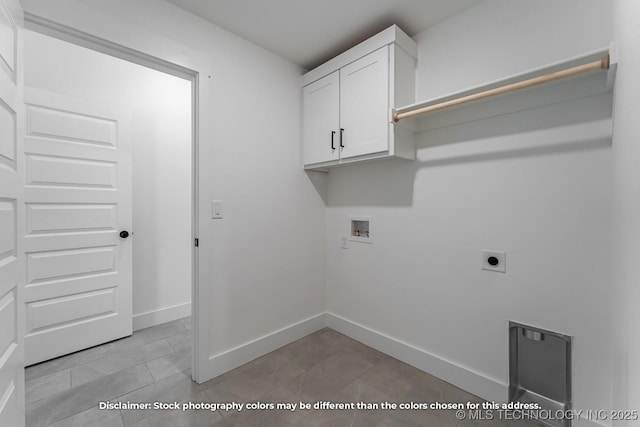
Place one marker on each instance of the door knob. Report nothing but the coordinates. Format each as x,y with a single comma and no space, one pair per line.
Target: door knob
124,234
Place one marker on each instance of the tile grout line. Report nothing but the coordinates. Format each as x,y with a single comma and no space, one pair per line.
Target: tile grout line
112,398
102,356
119,395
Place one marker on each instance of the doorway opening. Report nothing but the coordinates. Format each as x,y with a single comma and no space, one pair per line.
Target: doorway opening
161,107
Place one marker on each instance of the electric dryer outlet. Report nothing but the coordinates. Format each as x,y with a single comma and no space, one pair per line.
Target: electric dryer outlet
494,261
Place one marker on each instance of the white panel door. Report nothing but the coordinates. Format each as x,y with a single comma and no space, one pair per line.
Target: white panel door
322,120
11,187
77,202
364,104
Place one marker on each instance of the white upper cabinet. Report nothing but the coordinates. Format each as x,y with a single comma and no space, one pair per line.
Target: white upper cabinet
364,105
322,119
348,101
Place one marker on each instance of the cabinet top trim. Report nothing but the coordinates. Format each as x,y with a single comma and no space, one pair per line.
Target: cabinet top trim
391,35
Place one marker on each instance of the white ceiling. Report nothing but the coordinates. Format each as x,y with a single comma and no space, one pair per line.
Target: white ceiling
309,32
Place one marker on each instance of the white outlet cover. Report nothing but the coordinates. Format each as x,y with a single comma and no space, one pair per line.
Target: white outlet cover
501,267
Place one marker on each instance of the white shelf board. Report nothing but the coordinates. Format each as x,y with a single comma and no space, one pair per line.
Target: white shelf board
571,88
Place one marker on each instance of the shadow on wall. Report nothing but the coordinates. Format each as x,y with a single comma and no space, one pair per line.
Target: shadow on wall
319,181
578,125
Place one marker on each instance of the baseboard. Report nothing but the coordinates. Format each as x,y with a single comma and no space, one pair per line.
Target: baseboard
473,382
451,372
460,376
162,315
231,359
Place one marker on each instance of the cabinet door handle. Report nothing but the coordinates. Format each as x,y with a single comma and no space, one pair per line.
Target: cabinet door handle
341,131
333,133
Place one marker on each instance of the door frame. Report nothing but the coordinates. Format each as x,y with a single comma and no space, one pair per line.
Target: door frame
200,371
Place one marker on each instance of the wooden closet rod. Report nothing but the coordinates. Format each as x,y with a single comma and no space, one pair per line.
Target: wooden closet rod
602,64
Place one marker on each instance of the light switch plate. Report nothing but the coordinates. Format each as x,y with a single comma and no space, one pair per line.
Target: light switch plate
494,261
217,209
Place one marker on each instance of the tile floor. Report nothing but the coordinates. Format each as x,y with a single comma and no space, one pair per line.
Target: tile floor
153,365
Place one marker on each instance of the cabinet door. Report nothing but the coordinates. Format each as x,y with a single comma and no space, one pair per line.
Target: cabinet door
364,104
322,119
